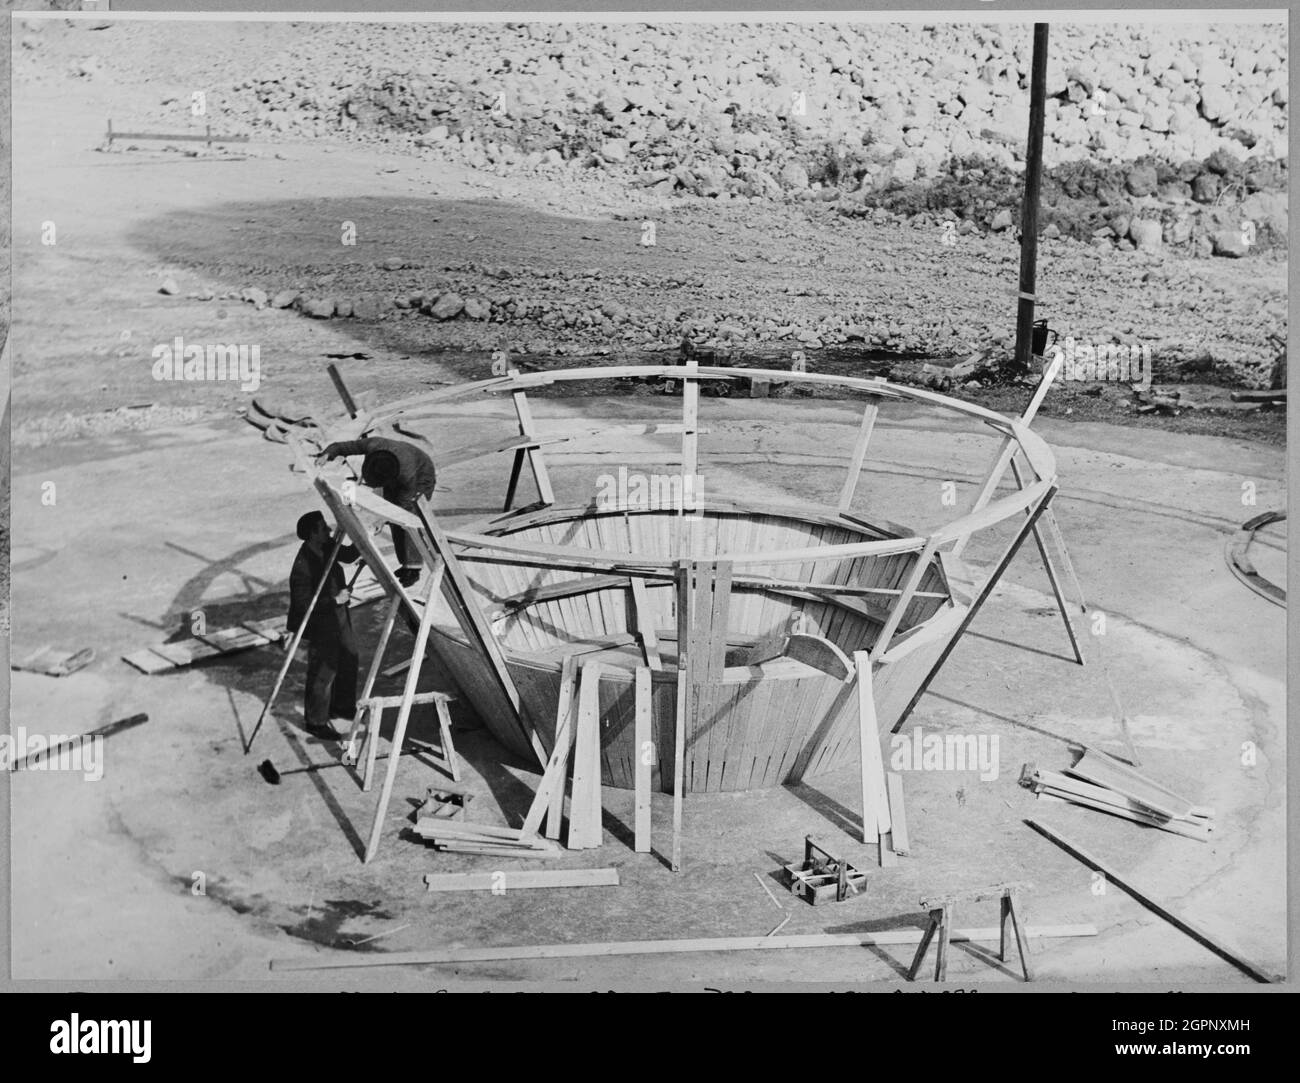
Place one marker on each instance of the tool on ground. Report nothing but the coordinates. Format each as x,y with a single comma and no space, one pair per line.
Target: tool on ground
30,761
446,801
822,877
941,908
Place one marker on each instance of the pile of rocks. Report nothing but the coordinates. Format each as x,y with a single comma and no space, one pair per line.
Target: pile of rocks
860,115
1145,124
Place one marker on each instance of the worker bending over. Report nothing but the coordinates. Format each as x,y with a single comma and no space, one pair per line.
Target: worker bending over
402,473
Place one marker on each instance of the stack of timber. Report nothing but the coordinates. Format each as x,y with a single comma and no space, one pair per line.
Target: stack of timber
1100,782
459,836
184,652
577,737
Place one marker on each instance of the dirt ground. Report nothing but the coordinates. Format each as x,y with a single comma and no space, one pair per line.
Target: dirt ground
179,505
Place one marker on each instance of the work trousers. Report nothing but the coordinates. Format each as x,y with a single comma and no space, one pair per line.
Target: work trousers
332,673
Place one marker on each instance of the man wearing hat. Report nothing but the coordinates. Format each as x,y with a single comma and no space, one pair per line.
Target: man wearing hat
331,647
401,472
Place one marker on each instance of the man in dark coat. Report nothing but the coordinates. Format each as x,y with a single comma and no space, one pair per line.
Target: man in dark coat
331,646
401,472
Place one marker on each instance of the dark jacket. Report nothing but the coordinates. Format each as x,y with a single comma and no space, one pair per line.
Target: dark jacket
327,615
417,475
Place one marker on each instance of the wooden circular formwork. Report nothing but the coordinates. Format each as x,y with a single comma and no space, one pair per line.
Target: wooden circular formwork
564,582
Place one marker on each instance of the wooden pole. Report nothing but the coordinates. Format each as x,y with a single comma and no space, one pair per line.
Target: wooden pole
348,402
1050,568
1029,209
1199,935
685,698
802,941
403,713
297,638
1026,527
351,750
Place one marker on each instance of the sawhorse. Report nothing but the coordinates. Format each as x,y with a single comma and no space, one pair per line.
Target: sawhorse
941,924
365,732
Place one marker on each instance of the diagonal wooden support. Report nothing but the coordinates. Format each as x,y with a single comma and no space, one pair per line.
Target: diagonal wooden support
1050,568
919,567
1007,556
645,623
549,800
1010,445
344,509
473,622
859,454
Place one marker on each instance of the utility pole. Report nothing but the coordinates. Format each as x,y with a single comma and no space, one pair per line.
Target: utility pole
1029,208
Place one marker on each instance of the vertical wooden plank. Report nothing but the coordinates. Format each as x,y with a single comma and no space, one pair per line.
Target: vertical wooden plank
586,811
897,812
875,810
685,606
536,463
690,418
595,819
643,750
444,729
580,805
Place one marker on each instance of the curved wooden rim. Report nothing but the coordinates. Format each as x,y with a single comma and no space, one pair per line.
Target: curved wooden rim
1041,460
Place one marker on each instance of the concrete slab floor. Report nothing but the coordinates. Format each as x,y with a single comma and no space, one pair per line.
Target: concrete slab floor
147,527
